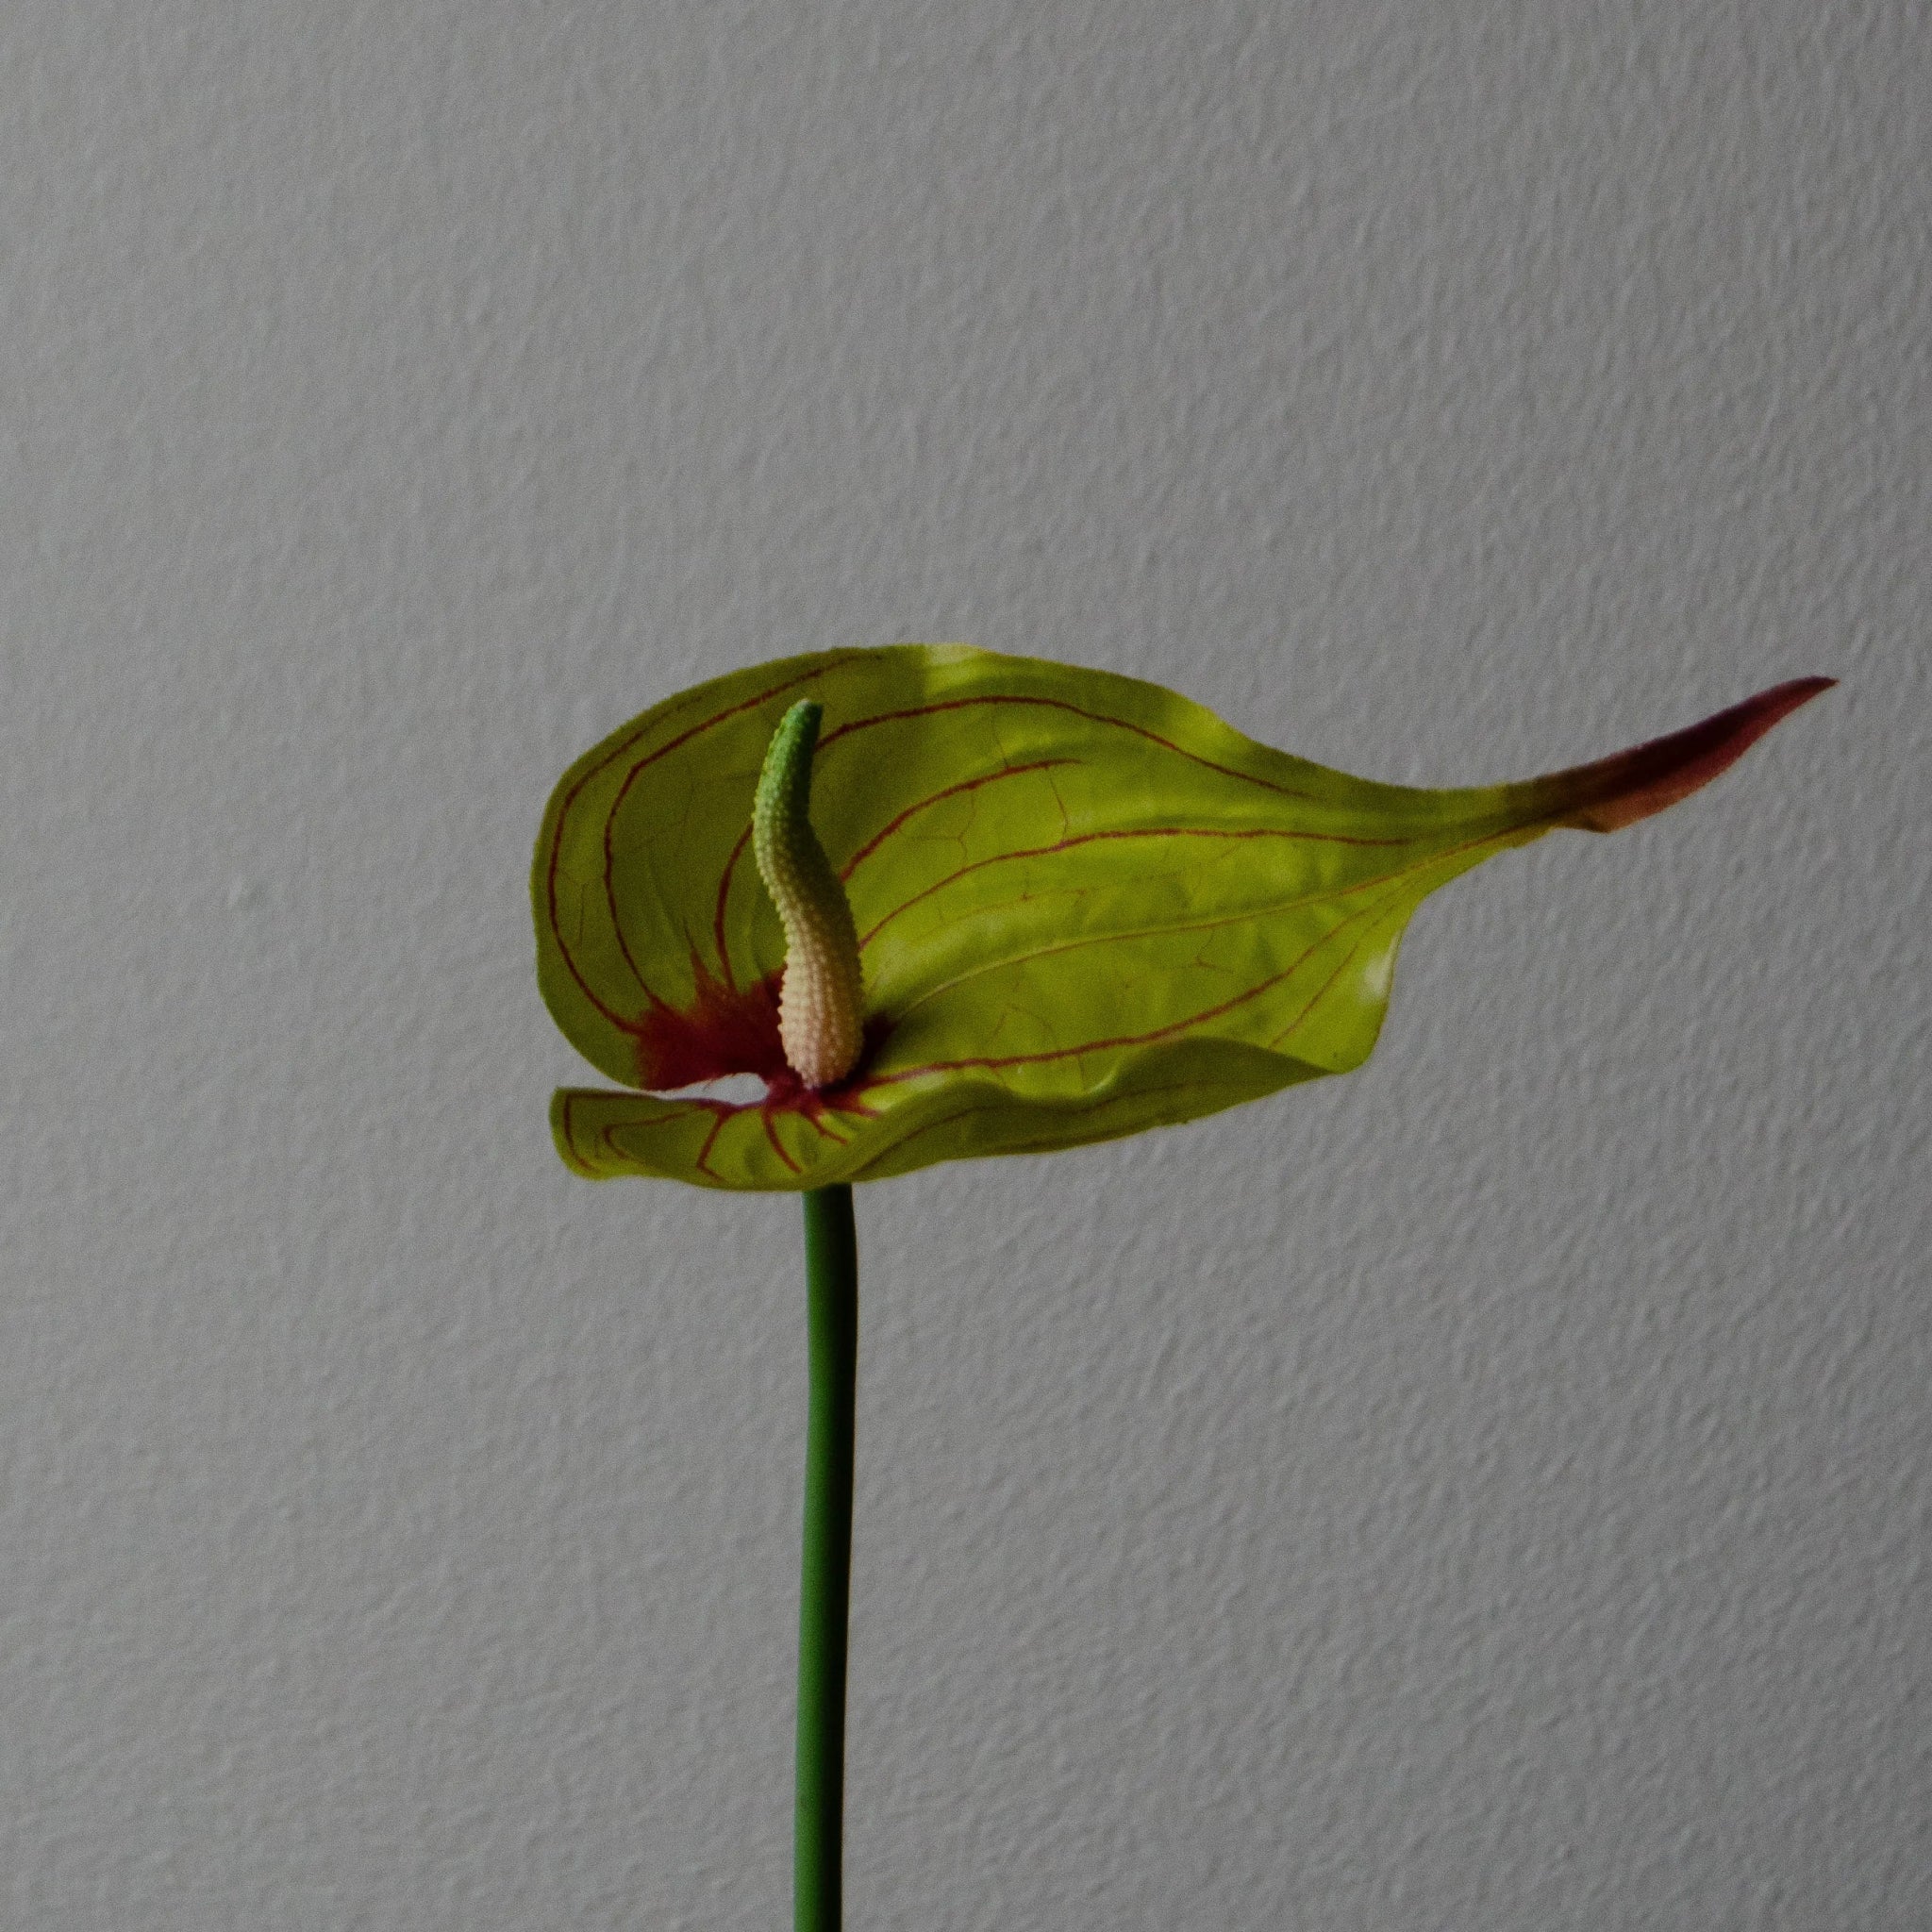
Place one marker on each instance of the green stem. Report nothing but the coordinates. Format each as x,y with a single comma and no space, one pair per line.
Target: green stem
831,1266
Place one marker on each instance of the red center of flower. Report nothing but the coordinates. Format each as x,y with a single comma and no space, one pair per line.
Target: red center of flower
724,1030
727,1030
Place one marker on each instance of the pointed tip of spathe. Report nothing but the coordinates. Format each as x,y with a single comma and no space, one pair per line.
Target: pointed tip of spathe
1650,777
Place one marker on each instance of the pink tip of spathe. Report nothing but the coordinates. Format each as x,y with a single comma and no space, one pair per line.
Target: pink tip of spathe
1631,785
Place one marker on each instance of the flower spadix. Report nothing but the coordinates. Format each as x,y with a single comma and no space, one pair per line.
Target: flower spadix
820,1001
1077,906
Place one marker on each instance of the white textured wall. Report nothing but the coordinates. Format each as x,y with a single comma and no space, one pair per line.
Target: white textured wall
1489,1492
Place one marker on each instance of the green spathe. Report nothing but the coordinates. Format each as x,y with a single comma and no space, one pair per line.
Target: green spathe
1085,906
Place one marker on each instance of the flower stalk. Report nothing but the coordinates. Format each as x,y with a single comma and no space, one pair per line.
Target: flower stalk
831,1263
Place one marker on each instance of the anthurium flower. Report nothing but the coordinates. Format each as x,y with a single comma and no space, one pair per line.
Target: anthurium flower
1083,905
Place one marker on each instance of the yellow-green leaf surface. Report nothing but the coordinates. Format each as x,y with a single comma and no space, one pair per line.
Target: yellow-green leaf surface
1084,907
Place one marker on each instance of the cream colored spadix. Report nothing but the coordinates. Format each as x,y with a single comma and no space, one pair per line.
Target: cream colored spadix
822,1001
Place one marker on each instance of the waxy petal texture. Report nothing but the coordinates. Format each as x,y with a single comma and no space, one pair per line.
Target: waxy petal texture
1084,907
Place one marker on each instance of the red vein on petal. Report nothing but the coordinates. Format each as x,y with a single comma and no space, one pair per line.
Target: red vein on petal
1062,1110
643,765
886,831
990,698
1153,1037
1246,916
1371,913
1178,1028
964,1113
1135,832
725,892
772,1135
613,1152
704,1159
554,863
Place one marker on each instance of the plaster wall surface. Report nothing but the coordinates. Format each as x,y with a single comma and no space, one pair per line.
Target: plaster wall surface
1488,1491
